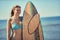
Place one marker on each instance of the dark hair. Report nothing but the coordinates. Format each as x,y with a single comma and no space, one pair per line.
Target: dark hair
12,13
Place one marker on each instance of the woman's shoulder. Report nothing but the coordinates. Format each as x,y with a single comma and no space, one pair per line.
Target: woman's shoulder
9,19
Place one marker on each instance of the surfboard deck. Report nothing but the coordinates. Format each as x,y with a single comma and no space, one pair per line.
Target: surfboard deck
31,24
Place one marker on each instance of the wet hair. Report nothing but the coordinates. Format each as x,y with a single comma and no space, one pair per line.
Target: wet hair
12,11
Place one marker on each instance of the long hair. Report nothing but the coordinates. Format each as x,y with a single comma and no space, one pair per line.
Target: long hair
12,11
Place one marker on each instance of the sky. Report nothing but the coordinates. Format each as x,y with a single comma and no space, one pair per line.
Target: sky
46,8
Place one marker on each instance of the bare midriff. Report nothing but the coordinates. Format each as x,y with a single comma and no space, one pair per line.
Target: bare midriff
17,34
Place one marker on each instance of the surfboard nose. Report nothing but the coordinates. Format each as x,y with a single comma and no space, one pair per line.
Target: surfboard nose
30,8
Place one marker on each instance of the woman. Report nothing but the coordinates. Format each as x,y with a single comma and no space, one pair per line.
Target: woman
14,24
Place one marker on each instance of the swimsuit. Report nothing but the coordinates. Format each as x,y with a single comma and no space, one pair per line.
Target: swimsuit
16,26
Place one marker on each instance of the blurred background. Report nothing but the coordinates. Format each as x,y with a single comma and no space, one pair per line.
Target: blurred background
49,11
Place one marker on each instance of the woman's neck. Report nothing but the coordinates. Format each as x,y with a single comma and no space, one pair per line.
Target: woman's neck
15,17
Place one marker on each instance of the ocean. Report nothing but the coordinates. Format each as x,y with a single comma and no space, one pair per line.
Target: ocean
50,27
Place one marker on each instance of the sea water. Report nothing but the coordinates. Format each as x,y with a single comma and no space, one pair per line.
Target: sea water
50,27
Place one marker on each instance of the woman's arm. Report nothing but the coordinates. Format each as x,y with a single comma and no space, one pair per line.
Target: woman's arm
8,29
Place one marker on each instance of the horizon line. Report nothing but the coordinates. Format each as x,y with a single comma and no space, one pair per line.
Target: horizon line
40,17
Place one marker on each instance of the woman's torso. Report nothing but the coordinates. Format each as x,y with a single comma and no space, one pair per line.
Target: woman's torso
16,28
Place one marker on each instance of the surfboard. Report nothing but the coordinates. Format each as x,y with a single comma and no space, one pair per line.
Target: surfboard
32,29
